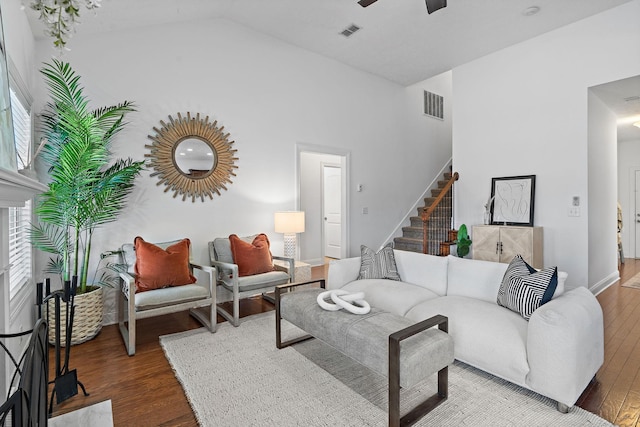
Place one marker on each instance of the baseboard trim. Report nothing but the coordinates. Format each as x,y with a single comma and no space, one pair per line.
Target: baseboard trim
605,283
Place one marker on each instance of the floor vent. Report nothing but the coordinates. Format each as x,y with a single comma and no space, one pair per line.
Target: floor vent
433,105
348,32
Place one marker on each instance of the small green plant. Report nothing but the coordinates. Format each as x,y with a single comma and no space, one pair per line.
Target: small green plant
463,242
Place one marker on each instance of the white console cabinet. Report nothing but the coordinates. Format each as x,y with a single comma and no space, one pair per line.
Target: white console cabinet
501,243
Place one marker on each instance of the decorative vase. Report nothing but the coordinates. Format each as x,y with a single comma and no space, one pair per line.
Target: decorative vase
87,320
487,217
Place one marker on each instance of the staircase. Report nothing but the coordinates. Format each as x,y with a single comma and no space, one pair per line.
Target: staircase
431,231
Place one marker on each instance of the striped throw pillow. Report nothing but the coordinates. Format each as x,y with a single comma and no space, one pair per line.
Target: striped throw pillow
524,288
378,265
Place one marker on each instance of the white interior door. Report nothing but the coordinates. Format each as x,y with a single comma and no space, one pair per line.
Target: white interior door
332,210
636,219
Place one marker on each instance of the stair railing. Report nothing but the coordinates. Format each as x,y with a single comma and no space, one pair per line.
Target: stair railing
437,219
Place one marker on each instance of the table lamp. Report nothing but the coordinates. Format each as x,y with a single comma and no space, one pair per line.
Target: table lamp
289,223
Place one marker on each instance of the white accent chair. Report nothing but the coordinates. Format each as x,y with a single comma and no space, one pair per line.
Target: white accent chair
133,306
232,287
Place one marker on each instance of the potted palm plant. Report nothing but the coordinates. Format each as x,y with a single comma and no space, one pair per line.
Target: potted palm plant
86,189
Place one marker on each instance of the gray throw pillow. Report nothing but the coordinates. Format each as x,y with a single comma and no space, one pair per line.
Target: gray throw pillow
378,265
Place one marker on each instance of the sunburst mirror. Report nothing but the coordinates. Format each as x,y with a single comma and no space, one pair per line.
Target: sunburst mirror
192,157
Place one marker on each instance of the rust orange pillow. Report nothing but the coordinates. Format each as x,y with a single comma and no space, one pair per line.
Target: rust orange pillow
251,258
159,268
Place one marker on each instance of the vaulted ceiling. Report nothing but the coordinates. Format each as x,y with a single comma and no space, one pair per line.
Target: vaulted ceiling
398,39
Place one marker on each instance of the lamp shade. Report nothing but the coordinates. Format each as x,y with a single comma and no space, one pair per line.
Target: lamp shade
289,222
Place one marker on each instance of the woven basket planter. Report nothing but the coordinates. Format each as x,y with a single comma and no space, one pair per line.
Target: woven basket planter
87,321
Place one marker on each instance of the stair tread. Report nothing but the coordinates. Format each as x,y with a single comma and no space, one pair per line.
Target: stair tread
407,240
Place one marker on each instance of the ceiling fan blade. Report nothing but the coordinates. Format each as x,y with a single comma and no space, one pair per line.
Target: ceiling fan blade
433,5
365,3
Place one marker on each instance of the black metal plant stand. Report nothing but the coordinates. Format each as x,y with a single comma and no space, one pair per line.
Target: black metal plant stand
65,383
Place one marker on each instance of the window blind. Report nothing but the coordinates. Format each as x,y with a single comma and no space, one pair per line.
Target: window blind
20,218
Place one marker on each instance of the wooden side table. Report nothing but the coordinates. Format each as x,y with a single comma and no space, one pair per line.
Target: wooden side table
302,269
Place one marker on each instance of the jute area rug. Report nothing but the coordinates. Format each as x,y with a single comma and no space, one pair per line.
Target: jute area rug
634,282
237,377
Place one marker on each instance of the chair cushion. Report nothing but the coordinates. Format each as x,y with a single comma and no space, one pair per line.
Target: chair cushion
169,296
159,268
251,258
258,281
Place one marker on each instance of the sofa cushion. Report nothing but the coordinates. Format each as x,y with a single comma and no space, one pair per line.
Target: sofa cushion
427,271
562,277
342,272
156,267
474,278
524,288
485,335
389,295
378,265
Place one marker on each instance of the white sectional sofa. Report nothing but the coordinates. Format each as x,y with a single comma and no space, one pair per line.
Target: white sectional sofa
556,353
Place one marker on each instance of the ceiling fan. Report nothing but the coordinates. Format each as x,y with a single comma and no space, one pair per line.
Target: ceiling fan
432,5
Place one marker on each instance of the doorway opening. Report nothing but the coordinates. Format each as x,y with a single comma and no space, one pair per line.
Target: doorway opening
323,192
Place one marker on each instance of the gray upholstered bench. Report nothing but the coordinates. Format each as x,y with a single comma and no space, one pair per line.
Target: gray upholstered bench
391,345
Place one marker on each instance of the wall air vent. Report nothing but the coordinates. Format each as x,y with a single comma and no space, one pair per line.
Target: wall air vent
433,105
632,99
348,32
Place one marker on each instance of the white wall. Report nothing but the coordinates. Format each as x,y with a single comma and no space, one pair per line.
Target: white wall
628,163
524,110
434,143
269,96
19,40
603,177
433,149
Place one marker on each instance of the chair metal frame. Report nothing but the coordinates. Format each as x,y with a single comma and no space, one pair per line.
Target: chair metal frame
228,273
127,321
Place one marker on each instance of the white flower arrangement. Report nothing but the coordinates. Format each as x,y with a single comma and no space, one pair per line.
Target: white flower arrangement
487,206
60,16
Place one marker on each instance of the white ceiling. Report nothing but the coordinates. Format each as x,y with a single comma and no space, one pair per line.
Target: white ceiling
399,40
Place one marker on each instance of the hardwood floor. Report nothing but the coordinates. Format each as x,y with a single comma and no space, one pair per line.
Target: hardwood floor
144,391
615,395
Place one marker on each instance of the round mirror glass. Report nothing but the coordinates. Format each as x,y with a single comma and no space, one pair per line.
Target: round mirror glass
194,158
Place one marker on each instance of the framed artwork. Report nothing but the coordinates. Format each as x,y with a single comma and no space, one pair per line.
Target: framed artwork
513,199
